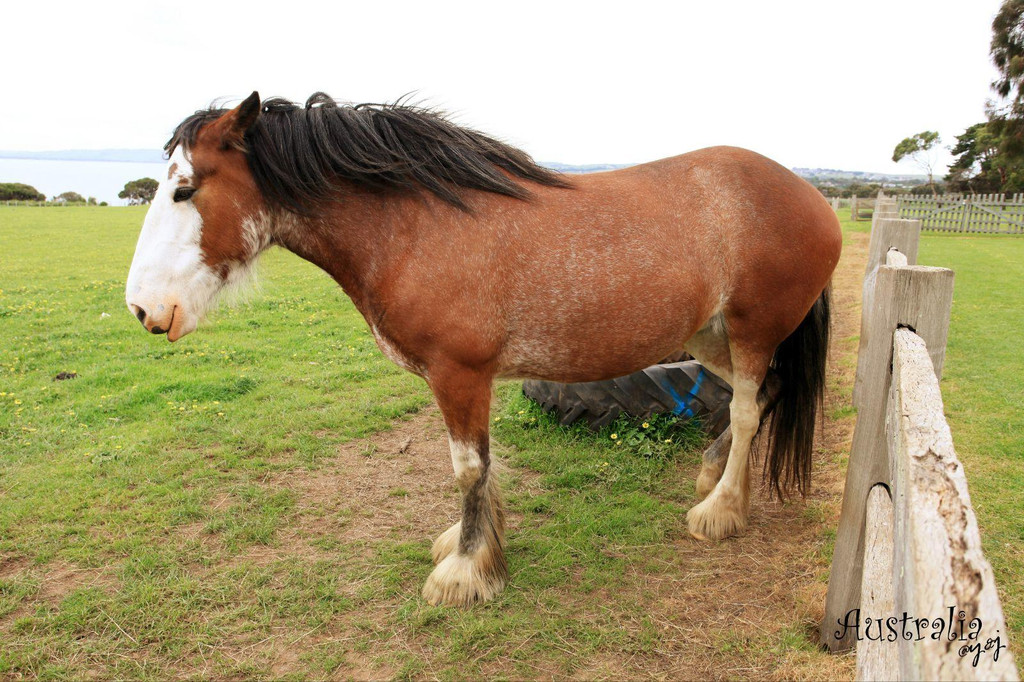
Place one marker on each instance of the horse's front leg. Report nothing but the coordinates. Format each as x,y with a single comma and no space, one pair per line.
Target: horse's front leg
470,555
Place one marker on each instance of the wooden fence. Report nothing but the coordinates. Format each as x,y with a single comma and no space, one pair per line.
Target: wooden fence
989,213
909,584
861,208
966,213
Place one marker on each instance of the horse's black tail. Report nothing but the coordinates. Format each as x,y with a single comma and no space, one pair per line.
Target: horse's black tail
800,364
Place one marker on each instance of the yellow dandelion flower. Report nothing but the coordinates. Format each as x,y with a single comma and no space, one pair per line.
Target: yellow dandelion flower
615,436
646,425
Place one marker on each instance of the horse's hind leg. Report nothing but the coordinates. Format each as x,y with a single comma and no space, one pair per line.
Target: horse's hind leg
470,555
717,454
725,510
713,464
710,347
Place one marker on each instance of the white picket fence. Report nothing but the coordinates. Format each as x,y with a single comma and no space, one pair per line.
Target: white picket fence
992,213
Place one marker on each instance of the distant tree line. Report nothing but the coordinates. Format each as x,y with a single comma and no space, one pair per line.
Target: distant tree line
871,189
137,192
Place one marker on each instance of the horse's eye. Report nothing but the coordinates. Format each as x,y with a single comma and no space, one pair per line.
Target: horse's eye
183,193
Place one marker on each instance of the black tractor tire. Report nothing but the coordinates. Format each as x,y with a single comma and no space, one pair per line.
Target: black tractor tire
685,389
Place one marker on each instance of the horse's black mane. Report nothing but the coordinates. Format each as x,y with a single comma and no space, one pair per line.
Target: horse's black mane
298,155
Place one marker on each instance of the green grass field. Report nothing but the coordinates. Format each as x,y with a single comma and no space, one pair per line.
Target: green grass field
983,390
154,518
151,483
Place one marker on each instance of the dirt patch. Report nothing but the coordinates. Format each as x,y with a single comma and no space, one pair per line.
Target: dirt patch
52,583
10,566
59,579
396,483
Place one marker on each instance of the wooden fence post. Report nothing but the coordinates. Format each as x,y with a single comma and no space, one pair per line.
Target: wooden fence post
965,215
853,208
920,298
884,211
876,658
902,235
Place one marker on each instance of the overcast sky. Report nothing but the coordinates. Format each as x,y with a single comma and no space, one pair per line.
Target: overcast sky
813,83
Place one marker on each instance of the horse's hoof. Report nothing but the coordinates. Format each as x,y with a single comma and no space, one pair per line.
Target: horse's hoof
459,580
446,543
719,516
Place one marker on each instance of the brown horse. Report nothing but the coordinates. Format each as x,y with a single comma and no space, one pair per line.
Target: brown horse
470,262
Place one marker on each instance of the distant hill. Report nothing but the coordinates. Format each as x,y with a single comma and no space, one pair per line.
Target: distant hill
822,176
585,168
122,155
827,175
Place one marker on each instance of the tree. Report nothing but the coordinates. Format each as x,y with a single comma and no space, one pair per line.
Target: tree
70,198
1006,118
17,191
139,191
977,165
1007,50
922,149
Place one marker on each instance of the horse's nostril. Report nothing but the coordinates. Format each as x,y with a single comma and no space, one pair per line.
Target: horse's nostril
140,313
158,330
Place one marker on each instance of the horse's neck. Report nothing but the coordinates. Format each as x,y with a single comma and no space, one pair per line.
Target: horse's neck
356,242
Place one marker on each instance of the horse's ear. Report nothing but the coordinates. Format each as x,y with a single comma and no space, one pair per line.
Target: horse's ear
240,120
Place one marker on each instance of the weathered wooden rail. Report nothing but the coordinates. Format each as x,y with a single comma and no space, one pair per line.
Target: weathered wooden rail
908,559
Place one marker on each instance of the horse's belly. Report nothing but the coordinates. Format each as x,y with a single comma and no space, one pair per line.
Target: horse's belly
616,346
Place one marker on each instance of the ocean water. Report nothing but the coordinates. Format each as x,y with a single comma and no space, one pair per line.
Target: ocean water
100,179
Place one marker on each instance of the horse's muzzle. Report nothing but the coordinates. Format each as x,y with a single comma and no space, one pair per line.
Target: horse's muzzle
153,326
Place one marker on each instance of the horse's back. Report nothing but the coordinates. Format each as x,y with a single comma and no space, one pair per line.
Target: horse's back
640,258
737,213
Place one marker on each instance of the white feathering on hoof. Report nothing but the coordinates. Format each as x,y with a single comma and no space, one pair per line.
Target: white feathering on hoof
463,580
717,517
446,543
708,478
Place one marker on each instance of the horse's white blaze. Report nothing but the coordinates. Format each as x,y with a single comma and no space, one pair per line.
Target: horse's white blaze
168,278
